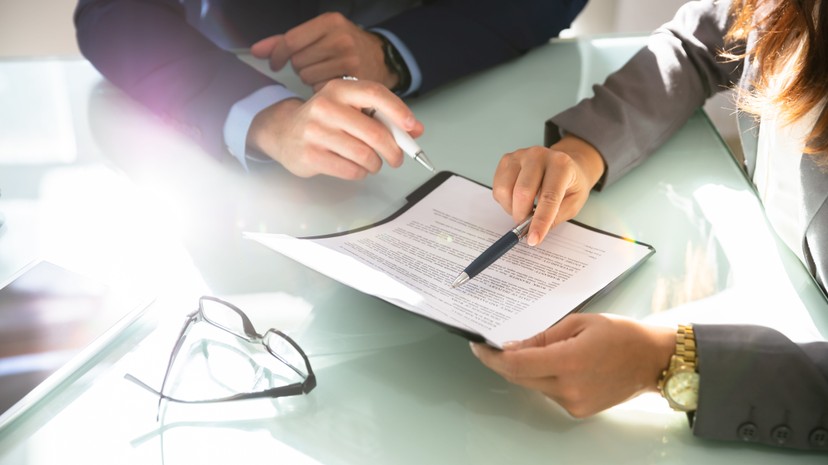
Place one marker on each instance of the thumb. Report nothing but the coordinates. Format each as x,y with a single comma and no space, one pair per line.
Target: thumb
262,48
274,48
564,329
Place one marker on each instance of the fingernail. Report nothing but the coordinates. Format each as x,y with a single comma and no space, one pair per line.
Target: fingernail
410,122
532,239
511,345
474,349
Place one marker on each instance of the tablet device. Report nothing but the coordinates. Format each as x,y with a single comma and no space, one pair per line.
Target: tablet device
52,321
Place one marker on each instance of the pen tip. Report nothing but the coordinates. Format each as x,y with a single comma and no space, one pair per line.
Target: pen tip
423,159
460,280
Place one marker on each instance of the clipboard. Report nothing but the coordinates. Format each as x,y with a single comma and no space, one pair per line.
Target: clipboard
344,249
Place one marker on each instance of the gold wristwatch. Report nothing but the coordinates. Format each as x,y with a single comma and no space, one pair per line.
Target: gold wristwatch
679,383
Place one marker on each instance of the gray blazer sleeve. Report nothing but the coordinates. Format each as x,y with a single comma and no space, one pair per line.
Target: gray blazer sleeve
644,103
758,386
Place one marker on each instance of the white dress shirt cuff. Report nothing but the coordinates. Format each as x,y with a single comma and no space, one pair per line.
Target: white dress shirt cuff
241,117
408,57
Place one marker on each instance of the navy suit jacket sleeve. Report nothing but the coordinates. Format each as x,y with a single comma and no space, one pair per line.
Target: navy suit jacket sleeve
453,38
147,48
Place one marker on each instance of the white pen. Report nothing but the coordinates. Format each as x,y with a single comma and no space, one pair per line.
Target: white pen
403,139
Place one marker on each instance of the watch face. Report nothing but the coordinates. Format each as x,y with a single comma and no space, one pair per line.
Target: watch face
683,389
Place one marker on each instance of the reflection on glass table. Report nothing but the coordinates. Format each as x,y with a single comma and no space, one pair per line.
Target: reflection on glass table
52,320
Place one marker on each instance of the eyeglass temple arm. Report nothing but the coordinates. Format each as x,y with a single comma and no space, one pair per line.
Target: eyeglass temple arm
281,391
191,319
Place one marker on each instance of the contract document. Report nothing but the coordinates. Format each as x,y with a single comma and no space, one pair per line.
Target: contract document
411,258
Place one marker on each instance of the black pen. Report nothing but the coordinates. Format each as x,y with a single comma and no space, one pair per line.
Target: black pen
495,251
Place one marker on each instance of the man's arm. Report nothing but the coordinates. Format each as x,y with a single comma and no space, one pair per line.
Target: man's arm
149,50
453,38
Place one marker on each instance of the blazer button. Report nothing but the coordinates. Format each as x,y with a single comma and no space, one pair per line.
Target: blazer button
818,437
747,432
781,434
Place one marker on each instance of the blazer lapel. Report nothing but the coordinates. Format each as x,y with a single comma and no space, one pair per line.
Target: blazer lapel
748,137
815,201
815,242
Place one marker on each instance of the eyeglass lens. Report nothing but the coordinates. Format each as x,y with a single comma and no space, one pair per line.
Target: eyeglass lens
286,352
224,316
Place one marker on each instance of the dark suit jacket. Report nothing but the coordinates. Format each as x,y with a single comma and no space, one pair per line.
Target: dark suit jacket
756,385
148,48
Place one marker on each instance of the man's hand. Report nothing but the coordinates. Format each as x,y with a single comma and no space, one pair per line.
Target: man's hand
327,47
559,177
586,362
329,134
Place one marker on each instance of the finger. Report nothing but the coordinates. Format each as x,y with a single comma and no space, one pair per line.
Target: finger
309,32
274,49
353,149
568,327
387,103
318,74
348,119
556,180
315,54
324,162
377,137
366,94
347,50
519,365
527,185
357,95
505,176
264,47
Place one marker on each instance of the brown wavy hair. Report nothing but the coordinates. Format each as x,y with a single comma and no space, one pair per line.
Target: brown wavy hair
786,30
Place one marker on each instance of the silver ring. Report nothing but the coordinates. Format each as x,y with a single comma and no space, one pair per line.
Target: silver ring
349,78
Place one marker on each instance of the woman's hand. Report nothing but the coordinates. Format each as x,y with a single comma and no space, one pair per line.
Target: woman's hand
586,362
559,178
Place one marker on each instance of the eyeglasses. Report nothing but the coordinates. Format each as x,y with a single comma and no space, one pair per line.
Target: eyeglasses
229,318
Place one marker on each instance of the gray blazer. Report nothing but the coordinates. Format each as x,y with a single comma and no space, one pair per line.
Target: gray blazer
756,385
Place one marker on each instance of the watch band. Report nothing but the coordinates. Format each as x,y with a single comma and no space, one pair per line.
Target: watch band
686,345
679,382
396,64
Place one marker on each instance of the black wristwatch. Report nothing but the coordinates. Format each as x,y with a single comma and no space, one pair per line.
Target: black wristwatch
396,64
